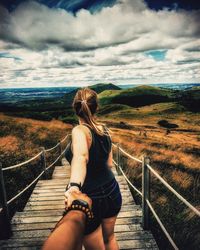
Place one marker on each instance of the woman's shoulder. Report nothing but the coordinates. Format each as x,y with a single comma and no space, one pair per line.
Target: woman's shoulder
80,129
87,129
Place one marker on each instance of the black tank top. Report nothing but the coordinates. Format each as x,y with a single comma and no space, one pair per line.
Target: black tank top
98,171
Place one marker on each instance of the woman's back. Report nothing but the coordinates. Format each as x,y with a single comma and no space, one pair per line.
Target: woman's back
98,171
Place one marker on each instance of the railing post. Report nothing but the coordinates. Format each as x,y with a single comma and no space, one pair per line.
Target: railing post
60,148
43,161
6,233
60,151
145,192
118,158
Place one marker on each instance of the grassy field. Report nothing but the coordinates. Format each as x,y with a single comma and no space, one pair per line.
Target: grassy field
167,132
21,139
174,153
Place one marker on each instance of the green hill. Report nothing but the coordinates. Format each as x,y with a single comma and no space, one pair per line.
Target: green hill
112,108
191,99
137,96
100,87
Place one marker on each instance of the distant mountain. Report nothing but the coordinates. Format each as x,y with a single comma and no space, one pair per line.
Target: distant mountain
175,86
100,87
138,96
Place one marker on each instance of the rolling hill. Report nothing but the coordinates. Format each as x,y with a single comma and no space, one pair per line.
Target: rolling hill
100,87
138,96
191,99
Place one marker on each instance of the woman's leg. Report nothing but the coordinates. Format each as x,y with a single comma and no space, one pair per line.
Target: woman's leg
108,225
94,241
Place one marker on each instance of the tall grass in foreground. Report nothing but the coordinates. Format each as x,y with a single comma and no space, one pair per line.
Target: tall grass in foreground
178,164
21,139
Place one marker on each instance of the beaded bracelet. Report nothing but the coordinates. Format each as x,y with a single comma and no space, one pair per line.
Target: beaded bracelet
80,205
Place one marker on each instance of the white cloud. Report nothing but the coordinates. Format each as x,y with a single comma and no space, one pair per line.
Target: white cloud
56,46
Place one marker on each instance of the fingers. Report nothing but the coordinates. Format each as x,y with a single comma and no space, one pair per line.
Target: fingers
74,194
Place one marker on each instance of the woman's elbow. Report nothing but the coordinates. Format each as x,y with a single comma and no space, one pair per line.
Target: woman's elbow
110,164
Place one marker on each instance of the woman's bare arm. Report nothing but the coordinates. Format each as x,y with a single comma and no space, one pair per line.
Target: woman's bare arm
80,155
110,159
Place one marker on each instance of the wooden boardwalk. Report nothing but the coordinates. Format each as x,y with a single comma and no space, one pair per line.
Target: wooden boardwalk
33,225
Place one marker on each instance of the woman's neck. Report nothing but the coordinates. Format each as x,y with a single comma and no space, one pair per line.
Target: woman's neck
81,121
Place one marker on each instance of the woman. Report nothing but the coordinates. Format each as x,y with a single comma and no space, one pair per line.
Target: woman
90,156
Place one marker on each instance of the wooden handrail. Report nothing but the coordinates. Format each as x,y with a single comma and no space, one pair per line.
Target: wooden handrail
146,204
36,156
6,202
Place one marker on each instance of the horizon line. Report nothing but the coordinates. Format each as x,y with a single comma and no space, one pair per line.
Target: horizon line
77,86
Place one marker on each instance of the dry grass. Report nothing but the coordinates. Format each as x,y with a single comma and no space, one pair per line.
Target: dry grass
9,143
184,180
175,156
21,138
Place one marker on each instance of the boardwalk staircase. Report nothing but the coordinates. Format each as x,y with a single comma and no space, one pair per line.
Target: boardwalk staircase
44,208
32,226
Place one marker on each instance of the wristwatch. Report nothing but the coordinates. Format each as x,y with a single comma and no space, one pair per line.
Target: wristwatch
73,184
80,205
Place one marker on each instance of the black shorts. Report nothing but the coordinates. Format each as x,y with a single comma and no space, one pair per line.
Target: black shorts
106,203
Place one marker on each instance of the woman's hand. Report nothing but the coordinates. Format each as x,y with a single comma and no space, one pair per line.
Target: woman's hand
69,195
74,194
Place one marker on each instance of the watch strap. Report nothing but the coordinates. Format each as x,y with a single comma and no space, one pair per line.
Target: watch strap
73,184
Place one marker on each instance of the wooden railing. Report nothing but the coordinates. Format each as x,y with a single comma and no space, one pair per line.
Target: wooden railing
5,203
145,194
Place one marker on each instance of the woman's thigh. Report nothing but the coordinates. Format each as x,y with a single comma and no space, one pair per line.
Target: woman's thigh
94,241
108,225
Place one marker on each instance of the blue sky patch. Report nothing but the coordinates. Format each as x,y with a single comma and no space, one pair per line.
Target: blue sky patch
158,55
8,55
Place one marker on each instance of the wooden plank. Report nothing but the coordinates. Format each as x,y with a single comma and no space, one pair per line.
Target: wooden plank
22,219
60,211
41,203
61,187
36,194
50,225
53,190
31,234
22,243
33,226
46,198
48,207
53,194
60,205
119,235
127,228
60,200
55,186
135,244
52,184
43,213
26,248
56,216
133,235
52,200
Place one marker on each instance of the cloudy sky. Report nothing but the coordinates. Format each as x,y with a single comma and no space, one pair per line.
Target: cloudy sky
83,42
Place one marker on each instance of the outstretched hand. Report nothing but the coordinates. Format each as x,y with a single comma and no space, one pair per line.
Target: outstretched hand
75,194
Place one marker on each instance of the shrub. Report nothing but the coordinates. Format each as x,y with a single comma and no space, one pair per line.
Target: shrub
166,124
